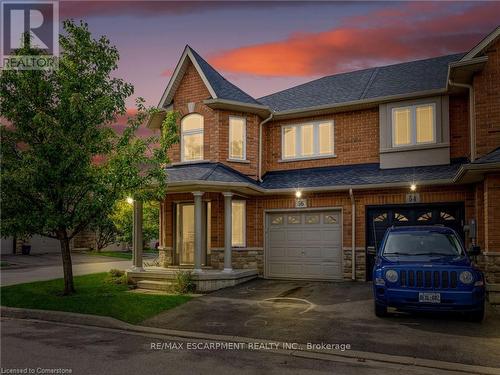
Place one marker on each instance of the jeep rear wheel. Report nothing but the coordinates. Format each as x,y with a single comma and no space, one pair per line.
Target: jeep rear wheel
380,310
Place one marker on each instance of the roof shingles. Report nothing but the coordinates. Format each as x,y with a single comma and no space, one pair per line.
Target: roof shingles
405,78
222,87
338,176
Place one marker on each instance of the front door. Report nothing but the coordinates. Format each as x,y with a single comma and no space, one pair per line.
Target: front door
186,234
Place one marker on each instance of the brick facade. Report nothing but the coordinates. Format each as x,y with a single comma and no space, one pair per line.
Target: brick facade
356,135
356,140
487,102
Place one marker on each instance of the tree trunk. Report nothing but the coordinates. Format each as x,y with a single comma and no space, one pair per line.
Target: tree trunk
67,266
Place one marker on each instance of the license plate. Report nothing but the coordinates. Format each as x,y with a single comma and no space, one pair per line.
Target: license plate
429,297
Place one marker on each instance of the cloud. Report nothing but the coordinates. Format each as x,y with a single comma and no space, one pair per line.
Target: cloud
404,32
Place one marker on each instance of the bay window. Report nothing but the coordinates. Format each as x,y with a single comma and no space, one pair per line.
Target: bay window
237,138
309,140
414,125
192,137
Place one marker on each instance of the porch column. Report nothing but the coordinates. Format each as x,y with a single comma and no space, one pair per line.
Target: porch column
198,231
228,231
137,236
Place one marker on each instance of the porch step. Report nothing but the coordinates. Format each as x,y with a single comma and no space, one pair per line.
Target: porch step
154,285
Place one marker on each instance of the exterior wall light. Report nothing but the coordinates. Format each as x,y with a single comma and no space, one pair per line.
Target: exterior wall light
130,200
298,193
413,187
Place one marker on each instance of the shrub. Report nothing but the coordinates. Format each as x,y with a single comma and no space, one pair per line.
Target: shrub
183,283
116,277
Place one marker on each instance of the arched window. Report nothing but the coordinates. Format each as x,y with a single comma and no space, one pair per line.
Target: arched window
192,137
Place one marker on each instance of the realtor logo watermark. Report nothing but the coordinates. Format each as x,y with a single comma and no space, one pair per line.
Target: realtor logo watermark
33,22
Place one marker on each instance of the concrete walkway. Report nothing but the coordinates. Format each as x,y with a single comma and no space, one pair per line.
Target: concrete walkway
49,266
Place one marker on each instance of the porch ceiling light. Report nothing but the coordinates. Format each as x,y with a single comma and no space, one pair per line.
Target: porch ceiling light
413,187
298,193
130,200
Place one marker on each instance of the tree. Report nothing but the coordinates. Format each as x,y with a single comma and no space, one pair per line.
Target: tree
62,165
105,233
122,219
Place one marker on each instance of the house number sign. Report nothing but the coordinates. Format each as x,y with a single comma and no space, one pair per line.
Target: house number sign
413,198
300,203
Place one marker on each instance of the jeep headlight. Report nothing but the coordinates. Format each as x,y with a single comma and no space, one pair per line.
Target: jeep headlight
391,276
466,277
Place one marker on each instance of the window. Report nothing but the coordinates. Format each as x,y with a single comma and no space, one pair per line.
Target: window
331,219
238,222
293,219
277,220
307,140
312,219
414,125
237,138
192,137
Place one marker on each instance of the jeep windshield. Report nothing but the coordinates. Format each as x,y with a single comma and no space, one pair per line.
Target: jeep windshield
422,243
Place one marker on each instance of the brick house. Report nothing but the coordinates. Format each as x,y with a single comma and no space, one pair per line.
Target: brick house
303,183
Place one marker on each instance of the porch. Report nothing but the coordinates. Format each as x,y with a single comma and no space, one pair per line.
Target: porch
190,249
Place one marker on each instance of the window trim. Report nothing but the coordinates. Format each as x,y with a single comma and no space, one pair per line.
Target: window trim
244,244
413,125
231,157
193,132
298,141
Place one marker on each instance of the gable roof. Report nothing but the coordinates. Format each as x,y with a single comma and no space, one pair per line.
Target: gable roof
217,85
399,79
208,172
482,45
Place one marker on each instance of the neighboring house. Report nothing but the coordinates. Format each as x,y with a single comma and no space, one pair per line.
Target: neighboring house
294,183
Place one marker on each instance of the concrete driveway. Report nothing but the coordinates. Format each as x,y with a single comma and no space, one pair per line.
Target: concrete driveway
29,268
315,312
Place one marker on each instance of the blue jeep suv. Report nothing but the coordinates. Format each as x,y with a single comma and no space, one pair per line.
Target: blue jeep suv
425,268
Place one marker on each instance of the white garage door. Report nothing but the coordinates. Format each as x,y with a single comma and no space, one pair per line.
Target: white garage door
304,245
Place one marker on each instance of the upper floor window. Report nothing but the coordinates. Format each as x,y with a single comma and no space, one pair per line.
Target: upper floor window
237,138
192,137
414,125
307,140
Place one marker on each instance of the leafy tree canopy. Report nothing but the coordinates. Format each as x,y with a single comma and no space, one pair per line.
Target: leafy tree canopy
62,165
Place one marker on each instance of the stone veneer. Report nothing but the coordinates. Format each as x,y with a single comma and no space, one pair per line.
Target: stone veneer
165,256
246,258
360,263
489,263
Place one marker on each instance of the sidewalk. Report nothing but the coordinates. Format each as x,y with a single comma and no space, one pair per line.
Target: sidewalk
83,265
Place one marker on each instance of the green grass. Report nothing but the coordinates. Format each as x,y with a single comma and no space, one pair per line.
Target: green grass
4,264
95,295
114,254
118,254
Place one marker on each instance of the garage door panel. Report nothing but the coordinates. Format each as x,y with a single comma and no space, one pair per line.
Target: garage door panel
305,245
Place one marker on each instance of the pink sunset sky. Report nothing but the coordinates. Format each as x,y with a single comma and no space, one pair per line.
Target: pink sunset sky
264,47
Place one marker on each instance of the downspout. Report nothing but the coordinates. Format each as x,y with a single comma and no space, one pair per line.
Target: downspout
353,239
260,145
472,117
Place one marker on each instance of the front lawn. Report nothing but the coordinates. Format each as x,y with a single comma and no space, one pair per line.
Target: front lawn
4,264
95,295
119,254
